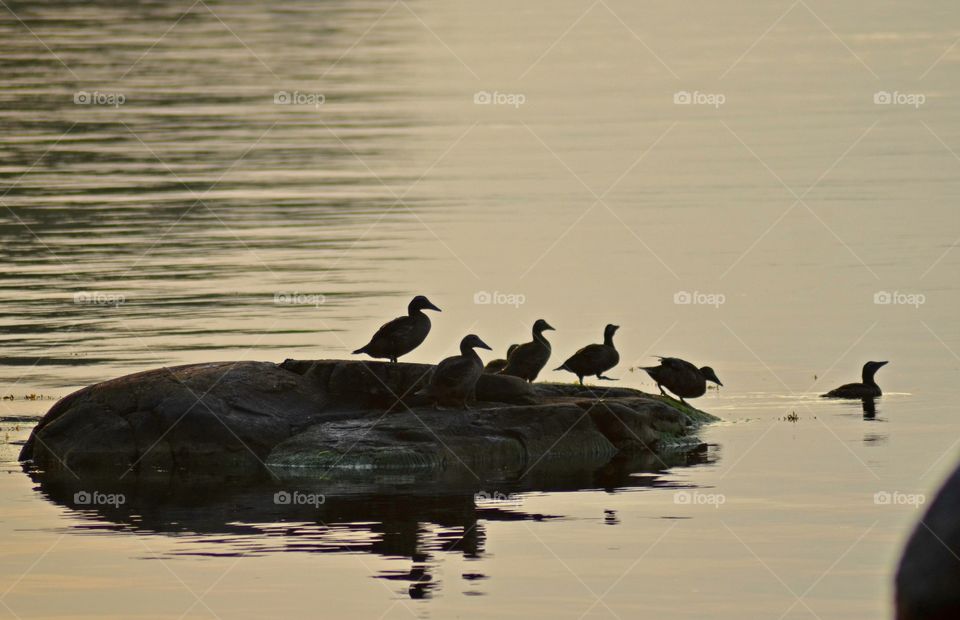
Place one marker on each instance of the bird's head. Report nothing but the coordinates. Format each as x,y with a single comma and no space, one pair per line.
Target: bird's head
420,302
710,375
472,341
541,326
870,369
609,331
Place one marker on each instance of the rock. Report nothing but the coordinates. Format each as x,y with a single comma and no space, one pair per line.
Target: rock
929,570
305,416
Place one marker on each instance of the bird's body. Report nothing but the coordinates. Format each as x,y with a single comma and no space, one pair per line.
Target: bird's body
402,334
681,377
455,378
528,359
495,366
867,389
594,359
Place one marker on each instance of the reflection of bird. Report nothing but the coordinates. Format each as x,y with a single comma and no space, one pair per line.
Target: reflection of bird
495,366
528,359
681,377
455,378
402,334
594,359
867,389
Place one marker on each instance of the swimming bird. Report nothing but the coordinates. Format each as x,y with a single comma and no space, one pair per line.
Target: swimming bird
455,378
681,377
867,389
402,334
495,366
594,359
529,358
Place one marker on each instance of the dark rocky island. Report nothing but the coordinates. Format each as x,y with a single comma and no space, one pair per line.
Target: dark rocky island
344,419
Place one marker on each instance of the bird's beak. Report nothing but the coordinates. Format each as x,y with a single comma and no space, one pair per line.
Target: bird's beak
719,383
884,363
483,345
550,327
430,306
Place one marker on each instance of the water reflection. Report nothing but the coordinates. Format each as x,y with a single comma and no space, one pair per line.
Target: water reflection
222,517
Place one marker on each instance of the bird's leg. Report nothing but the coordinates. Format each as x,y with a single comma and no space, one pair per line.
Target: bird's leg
660,387
683,401
393,360
466,407
581,379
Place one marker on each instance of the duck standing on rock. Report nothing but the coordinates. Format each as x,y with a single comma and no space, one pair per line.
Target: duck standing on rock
529,358
455,378
402,334
594,359
681,377
495,366
867,389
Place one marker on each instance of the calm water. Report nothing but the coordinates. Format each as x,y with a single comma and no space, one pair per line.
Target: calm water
168,216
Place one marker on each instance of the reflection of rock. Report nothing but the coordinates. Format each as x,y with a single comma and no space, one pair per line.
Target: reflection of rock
389,505
415,515
929,571
346,415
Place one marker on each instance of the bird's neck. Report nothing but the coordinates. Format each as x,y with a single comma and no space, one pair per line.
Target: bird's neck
412,311
868,377
467,351
608,340
539,337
